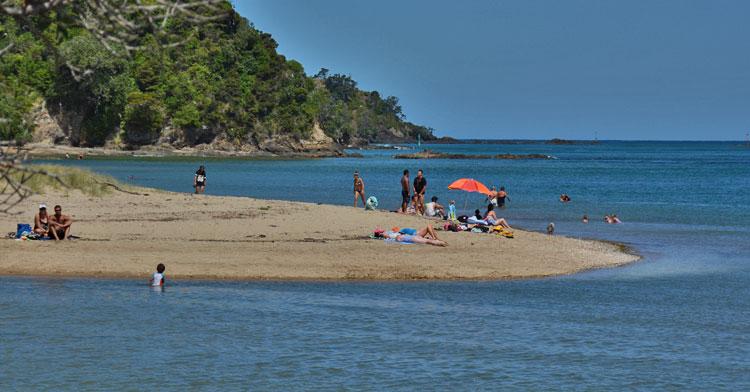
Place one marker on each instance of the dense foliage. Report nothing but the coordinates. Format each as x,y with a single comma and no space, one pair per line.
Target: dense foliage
224,80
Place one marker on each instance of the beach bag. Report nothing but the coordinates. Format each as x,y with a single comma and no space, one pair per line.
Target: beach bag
22,229
372,203
378,233
408,231
463,218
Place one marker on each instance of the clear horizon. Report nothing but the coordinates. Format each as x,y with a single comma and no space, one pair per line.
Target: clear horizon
534,70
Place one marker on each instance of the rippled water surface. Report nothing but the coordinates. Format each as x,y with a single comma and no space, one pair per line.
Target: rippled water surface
680,319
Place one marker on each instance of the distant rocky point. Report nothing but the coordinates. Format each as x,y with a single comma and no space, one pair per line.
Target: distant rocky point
556,141
428,154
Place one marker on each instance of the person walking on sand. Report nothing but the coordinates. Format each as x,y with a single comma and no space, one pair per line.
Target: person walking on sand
420,187
359,189
405,197
199,180
59,225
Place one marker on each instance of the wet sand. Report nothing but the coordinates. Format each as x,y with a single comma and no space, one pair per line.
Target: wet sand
215,237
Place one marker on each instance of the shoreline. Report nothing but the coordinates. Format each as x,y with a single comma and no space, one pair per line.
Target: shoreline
223,238
47,151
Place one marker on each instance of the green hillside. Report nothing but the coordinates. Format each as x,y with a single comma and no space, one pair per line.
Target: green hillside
224,81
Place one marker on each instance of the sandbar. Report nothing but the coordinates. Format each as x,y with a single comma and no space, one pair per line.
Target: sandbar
238,238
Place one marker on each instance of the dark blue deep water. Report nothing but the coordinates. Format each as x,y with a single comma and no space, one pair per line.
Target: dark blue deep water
679,319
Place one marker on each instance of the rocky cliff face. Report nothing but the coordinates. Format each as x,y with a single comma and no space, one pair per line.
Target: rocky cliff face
60,129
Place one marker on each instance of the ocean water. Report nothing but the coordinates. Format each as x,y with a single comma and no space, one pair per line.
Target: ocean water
679,319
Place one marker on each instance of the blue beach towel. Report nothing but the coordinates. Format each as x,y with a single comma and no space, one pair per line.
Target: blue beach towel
392,241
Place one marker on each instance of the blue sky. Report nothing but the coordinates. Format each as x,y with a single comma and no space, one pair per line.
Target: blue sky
666,70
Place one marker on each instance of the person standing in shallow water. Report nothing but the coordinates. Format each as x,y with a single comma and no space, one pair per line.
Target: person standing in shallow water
500,197
199,181
359,189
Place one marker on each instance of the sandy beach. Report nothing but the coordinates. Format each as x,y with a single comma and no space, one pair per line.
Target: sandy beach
214,237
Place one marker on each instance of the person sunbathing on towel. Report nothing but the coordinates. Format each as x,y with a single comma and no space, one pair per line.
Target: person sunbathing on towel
423,236
492,218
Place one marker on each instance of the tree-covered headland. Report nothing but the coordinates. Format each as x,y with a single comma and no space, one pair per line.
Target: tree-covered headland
221,81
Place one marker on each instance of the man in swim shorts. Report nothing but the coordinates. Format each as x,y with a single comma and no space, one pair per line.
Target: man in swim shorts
405,191
59,225
420,186
500,197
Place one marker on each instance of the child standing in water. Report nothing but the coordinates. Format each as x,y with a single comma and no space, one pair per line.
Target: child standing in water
199,180
158,278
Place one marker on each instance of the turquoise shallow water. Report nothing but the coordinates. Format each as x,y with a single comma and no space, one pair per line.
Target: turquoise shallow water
680,319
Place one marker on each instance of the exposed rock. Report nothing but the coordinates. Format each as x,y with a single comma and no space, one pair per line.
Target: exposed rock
318,140
55,130
46,129
427,154
571,142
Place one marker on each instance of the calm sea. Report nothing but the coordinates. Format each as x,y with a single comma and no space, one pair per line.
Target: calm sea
680,319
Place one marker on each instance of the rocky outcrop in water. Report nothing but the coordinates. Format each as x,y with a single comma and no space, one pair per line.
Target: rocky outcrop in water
428,154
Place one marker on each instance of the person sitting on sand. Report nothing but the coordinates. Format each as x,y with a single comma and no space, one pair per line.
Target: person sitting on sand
359,189
158,278
59,225
423,236
434,209
492,218
477,219
41,221
199,180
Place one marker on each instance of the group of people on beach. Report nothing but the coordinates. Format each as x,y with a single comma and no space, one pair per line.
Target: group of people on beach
56,226
413,195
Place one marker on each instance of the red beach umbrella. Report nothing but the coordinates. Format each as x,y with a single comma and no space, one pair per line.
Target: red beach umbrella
469,185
